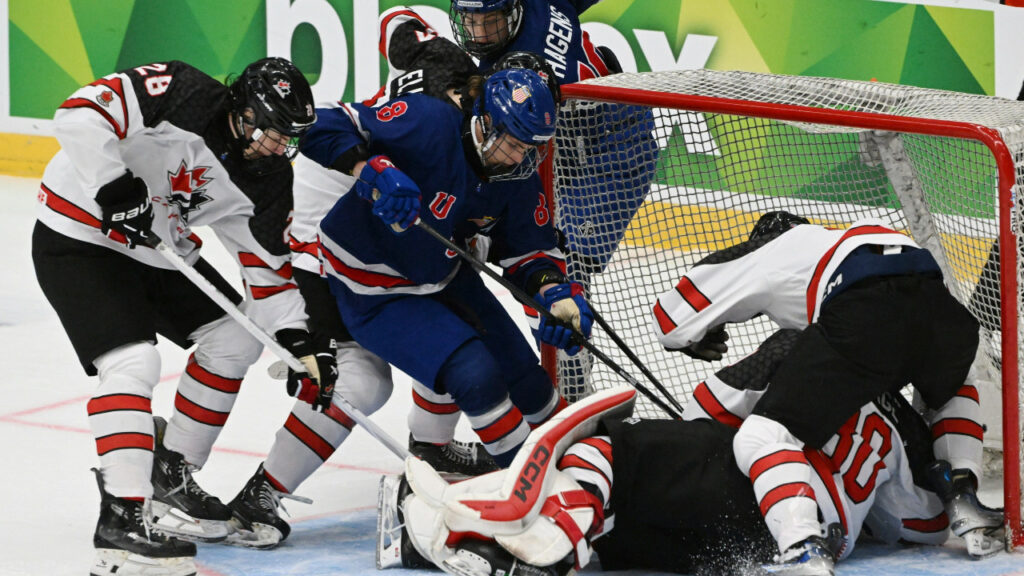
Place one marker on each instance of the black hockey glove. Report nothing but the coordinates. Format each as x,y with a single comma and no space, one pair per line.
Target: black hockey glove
127,211
711,347
319,355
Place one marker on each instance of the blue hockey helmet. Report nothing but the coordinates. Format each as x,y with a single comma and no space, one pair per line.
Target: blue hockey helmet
515,102
485,27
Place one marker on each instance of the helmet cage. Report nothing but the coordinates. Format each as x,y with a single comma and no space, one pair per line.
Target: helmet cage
493,150
484,27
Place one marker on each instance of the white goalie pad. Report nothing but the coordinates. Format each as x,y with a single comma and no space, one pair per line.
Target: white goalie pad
505,505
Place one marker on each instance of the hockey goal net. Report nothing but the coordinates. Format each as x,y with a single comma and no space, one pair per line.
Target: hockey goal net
651,172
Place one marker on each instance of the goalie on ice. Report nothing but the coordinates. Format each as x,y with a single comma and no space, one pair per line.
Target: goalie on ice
666,495
697,510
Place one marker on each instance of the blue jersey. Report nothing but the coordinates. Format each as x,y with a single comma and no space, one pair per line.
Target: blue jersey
551,28
422,135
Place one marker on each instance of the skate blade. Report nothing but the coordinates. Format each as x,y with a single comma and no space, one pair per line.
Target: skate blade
389,547
111,562
260,537
174,522
982,543
810,568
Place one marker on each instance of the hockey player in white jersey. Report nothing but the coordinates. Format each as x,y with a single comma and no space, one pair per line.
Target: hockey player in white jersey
147,154
661,495
870,302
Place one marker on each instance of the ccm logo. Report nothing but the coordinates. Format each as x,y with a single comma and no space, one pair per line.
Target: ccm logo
128,214
527,478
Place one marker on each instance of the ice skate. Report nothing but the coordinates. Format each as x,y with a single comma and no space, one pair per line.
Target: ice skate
180,507
126,544
394,549
812,557
981,527
255,520
455,457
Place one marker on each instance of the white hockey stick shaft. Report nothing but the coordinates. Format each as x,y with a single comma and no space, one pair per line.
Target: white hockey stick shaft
260,334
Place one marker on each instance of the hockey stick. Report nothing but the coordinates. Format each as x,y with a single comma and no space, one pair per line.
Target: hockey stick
524,298
260,334
633,358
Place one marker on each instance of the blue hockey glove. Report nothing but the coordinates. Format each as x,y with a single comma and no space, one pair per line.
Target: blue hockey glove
567,304
397,201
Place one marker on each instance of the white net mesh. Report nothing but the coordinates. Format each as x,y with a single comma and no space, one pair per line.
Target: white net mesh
670,166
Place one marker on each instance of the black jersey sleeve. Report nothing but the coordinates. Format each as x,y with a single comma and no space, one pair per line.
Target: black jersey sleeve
432,64
178,93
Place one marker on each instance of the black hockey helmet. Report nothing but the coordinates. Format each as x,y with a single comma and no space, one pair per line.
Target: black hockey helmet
771,224
531,61
279,97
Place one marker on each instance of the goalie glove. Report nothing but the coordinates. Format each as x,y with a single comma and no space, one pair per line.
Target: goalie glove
709,348
315,386
397,201
568,305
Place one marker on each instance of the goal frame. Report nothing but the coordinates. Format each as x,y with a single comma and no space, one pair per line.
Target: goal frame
987,136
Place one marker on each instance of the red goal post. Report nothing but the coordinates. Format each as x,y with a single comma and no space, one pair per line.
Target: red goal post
652,171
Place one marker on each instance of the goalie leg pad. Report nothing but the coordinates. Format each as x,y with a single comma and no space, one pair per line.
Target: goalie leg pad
514,504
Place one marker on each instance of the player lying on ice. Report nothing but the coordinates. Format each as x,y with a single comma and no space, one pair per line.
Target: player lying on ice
667,495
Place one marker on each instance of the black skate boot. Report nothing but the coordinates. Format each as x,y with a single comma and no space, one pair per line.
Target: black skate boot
454,458
981,527
254,519
127,546
180,507
394,547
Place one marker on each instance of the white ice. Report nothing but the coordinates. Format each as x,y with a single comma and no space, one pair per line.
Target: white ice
48,497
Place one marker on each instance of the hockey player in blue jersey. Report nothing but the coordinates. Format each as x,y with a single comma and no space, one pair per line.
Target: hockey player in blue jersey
403,295
612,163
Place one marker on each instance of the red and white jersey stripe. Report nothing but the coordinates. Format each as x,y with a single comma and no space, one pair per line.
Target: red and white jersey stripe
372,279
785,279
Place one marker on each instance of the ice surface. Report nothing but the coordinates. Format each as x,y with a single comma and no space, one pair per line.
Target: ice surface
48,497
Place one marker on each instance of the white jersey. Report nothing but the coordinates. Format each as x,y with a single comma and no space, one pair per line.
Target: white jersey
861,475
168,124
786,279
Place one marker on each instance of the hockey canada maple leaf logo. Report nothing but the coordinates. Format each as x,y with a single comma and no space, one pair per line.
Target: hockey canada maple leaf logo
188,188
105,98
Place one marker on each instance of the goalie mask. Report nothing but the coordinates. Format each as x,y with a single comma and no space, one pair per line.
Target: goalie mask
772,224
512,118
485,27
272,108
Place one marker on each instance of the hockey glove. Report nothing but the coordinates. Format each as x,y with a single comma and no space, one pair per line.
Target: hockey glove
316,385
127,211
711,347
567,304
398,200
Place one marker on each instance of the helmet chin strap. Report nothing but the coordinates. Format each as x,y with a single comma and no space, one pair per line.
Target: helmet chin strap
479,142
